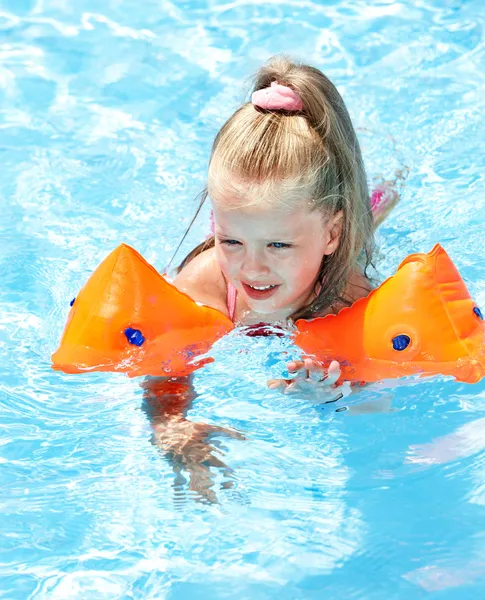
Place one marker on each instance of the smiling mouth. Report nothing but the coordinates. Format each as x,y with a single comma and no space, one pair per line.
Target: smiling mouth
260,292
261,288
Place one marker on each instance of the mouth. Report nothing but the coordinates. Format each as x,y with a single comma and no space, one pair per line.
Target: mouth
260,292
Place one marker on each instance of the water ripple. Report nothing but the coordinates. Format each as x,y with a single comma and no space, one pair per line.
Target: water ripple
106,120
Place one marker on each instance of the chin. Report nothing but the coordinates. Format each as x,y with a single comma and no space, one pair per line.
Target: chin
264,311
265,308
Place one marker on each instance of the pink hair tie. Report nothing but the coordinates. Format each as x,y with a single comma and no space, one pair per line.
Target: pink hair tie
277,97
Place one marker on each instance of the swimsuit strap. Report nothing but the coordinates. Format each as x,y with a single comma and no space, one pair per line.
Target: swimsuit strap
231,300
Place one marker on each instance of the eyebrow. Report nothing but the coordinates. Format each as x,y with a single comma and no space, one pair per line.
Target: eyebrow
279,238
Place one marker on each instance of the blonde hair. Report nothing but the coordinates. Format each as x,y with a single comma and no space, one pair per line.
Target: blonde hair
315,150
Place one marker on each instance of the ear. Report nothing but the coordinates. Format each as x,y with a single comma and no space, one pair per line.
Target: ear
333,231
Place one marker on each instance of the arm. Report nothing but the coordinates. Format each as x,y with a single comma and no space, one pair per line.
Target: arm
186,444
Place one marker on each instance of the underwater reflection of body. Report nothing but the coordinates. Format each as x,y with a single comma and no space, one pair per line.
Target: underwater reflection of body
188,446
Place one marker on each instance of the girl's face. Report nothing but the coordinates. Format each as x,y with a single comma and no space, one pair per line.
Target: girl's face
273,255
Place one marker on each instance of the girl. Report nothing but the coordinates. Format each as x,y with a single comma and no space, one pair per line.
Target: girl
293,221
293,236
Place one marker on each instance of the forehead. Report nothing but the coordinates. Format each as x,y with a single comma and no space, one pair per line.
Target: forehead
265,221
270,209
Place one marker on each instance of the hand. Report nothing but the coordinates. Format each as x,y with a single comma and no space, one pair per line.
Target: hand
192,449
313,379
192,452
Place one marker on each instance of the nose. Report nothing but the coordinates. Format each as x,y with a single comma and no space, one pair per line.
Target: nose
254,264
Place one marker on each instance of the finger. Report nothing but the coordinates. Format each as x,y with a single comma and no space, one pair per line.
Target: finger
295,365
299,370
314,370
313,365
274,384
233,433
333,373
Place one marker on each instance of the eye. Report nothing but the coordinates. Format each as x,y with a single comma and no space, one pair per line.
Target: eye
478,312
230,242
401,342
280,245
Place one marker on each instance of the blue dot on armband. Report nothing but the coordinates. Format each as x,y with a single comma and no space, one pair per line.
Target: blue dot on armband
401,342
134,336
478,312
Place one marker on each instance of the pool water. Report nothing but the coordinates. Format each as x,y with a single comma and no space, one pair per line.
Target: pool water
108,111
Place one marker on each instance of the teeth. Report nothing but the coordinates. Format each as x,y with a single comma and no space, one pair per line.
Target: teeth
262,288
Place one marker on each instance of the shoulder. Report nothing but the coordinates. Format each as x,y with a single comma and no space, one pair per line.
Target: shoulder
203,281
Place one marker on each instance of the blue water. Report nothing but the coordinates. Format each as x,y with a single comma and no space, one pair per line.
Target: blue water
108,110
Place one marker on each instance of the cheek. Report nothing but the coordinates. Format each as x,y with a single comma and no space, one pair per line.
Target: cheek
226,260
220,256
303,270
